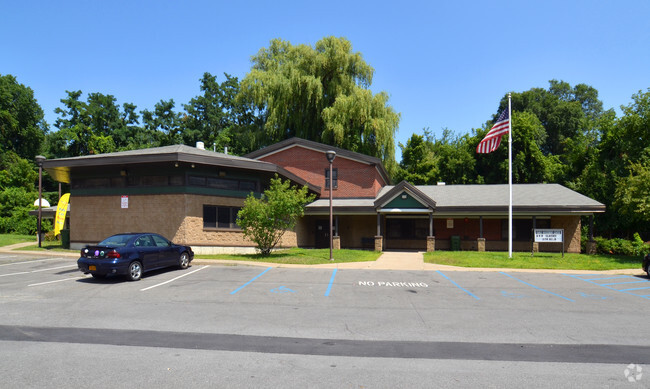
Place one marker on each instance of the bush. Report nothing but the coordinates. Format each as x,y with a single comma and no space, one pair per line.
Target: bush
617,246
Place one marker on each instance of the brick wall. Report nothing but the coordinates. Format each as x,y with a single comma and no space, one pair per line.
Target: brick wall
178,217
355,179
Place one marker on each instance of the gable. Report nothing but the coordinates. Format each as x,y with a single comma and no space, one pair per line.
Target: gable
405,200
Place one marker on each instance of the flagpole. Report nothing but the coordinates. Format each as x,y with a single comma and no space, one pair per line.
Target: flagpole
510,180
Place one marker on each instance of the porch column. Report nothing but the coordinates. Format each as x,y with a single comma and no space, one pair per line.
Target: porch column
480,242
535,244
431,240
336,239
378,238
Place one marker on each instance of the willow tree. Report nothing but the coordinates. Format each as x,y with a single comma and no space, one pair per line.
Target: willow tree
321,93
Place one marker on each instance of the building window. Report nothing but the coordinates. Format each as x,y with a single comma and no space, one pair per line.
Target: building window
220,217
415,228
522,229
335,174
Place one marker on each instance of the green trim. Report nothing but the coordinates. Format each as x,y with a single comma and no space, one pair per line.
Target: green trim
161,190
409,202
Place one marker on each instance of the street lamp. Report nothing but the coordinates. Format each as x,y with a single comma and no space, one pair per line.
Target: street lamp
39,162
330,158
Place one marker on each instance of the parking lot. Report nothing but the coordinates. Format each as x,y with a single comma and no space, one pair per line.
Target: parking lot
409,304
586,318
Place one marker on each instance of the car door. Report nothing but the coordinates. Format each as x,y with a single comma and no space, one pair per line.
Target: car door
168,256
147,251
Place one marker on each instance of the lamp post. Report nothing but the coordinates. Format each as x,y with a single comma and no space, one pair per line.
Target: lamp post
330,158
39,162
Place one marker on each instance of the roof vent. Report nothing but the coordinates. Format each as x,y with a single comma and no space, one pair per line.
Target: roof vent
200,145
440,183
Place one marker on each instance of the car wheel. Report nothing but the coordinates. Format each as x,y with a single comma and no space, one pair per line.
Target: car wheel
98,276
135,271
184,261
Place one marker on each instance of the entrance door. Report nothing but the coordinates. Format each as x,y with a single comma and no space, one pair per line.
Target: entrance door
322,234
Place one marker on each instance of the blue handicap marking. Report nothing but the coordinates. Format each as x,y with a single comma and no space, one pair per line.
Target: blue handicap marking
512,295
592,296
282,289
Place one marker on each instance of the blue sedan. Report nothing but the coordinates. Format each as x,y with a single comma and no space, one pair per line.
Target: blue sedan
133,254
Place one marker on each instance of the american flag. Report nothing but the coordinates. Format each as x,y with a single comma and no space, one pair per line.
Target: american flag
492,140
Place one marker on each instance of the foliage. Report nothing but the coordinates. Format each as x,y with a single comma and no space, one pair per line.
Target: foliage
321,93
163,120
93,127
15,204
265,220
219,119
22,126
16,172
419,165
632,197
618,246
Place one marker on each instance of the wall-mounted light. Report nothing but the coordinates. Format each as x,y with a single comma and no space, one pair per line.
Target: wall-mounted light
123,173
175,164
192,166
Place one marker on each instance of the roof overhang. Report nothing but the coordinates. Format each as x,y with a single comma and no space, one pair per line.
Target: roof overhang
60,168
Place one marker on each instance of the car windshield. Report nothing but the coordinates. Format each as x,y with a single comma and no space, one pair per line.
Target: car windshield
116,240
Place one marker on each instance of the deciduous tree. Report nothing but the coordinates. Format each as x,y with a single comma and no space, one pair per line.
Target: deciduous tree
321,93
265,220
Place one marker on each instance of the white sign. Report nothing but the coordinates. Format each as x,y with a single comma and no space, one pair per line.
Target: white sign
125,201
549,235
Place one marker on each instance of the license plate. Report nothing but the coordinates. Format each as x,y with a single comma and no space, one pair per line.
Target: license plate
92,267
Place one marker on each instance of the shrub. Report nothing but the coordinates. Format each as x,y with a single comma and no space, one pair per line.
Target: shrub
617,246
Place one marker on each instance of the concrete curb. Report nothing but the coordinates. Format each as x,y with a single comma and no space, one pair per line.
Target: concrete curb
401,261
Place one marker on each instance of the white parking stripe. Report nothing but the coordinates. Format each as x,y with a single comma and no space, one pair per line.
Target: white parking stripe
52,282
37,271
36,260
52,268
174,279
14,274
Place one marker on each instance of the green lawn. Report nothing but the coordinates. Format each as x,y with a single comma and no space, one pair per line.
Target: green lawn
9,239
298,256
521,260
47,245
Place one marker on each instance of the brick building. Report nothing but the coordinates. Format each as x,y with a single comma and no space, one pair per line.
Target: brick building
192,196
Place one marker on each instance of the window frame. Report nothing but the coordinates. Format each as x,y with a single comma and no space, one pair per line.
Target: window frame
214,211
335,175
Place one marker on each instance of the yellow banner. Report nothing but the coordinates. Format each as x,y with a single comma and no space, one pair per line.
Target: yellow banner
61,209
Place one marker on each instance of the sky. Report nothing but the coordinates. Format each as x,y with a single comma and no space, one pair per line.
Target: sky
443,64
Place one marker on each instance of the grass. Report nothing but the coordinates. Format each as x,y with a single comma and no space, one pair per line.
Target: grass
48,246
521,260
299,256
9,239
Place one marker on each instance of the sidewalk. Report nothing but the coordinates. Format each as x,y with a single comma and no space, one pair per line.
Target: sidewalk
389,260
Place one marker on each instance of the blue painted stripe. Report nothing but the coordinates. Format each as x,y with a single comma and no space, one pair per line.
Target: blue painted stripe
608,287
536,287
329,287
645,287
604,278
458,286
253,279
621,283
